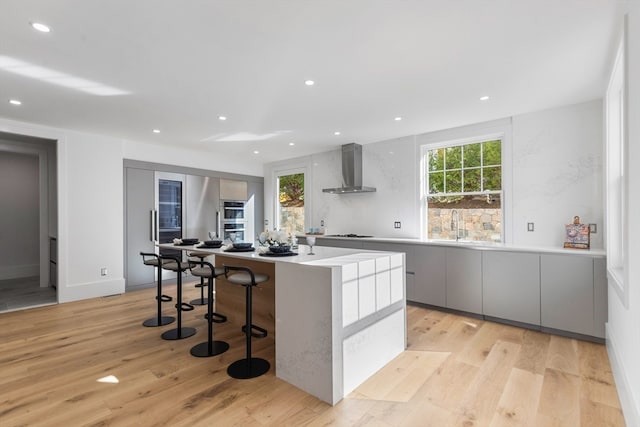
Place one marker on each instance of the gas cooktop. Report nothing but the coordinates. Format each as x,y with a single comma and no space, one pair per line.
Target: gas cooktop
347,235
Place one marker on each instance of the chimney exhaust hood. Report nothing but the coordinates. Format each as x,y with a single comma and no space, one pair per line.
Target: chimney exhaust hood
351,172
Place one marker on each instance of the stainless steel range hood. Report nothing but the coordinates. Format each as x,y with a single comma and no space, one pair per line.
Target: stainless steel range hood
351,172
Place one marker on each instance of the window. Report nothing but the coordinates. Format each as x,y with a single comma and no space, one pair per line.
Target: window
290,203
463,194
616,191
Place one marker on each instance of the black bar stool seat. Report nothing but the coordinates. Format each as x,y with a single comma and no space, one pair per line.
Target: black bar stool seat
210,347
249,367
160,320
174,264
202,300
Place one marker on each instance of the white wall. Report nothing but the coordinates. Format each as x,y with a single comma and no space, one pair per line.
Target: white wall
91,201
19,216
552,171
189,158
557,173
623,328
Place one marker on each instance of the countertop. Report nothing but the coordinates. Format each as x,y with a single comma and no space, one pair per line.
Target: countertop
484,246
322,255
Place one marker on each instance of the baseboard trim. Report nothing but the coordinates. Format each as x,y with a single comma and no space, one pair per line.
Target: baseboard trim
630,410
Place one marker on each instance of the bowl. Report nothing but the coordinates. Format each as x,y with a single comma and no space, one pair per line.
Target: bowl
190,241
242,245
212,242
280,249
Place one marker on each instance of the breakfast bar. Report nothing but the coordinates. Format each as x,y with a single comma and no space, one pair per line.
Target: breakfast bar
338,316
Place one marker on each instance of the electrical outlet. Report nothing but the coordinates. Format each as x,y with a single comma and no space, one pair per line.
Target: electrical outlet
266,223
103,271
397,224
530,226
593,228
322,223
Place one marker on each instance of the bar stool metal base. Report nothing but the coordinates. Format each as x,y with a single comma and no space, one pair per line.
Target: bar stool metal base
178,334
164,320
202,349
243,370
199,301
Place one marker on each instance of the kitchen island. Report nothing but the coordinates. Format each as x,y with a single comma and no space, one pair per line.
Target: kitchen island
339,315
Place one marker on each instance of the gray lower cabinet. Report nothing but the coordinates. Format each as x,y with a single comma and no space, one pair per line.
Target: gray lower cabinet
567,293
511,286
339,243
430,275
464,279
600,301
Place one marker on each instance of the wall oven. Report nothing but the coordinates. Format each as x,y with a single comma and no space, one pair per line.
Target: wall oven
234,220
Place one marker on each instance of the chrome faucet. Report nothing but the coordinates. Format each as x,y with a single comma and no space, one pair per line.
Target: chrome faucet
455,222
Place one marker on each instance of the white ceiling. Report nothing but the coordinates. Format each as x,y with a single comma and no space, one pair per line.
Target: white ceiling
182,64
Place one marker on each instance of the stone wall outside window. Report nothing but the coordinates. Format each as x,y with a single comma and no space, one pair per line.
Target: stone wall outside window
479,224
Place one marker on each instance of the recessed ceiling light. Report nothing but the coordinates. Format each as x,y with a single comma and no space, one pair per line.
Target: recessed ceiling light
309,82
484,98
292,143
223,118
40,27
156,131
15,102
336,133
397,119
256,152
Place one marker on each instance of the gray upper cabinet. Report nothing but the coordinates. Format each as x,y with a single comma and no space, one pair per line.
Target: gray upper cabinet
231,189
464,279
567,293
511,286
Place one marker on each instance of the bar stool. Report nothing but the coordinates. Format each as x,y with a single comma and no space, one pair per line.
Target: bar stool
202,300
159,320
175,264
209,347
249,367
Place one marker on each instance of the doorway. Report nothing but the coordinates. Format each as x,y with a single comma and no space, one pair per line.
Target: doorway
28,220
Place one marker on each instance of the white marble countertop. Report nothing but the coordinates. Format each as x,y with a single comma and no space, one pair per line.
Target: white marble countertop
322,255
485,246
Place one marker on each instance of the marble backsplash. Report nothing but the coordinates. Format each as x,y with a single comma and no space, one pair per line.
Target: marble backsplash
555,173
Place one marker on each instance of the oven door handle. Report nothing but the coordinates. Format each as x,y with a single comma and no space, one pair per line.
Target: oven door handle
218,229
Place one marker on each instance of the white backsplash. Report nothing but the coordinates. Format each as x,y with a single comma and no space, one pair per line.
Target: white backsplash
556,174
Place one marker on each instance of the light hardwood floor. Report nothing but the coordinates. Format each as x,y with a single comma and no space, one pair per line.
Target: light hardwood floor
457,371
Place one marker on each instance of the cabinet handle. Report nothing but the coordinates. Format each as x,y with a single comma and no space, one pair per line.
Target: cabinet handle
151,225
156,232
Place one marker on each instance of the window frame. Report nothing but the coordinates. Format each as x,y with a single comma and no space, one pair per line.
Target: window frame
498,130
276,198
616,185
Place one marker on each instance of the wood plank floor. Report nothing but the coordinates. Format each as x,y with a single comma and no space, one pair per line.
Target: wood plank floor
457,371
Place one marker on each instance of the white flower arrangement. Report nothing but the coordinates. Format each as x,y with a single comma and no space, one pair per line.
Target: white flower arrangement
274,238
